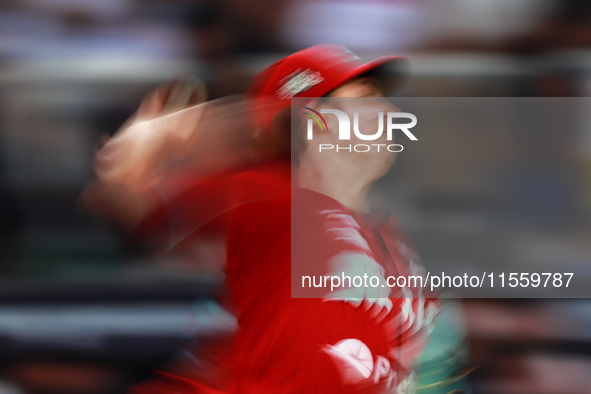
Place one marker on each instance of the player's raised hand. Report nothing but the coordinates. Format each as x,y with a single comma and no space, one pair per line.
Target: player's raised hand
133,156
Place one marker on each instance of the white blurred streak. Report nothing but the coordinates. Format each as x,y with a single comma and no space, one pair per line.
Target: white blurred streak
361,26
99,8
94,323
490,19
375,25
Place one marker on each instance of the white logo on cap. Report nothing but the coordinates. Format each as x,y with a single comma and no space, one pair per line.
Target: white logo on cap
349,56
299,81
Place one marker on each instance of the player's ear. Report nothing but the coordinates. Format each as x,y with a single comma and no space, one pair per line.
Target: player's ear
282,121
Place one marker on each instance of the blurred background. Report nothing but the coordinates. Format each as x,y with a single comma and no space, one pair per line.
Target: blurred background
82,312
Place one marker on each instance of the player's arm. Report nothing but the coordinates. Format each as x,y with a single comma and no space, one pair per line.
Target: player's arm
158,158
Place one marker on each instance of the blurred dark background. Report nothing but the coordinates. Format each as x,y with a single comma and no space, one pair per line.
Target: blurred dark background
81,312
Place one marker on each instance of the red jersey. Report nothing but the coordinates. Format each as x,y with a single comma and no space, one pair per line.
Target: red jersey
336,340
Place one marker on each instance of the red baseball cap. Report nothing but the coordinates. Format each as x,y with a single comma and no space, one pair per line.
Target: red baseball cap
314,72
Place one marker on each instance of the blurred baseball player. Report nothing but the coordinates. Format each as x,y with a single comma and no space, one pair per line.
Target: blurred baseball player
290,204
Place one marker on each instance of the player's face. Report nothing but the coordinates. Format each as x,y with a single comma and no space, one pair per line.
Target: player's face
372,101
362,101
